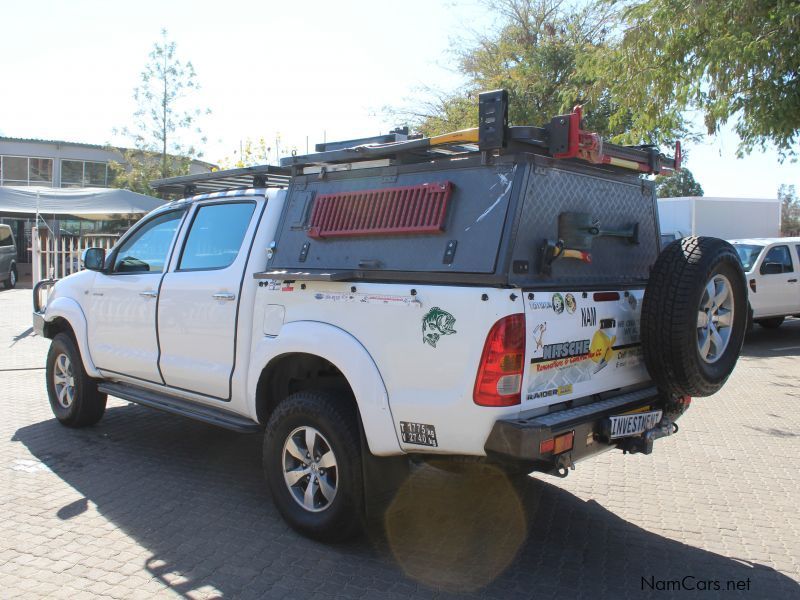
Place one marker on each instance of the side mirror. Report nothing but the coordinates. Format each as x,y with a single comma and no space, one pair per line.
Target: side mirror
771,268
94,258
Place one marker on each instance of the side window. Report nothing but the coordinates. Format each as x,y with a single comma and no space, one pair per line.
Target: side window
780,255
5,236
146,251
216,236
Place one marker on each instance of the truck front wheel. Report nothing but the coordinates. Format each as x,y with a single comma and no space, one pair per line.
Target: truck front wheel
73,395
312,463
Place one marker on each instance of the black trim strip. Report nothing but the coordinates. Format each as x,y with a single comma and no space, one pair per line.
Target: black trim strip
239,298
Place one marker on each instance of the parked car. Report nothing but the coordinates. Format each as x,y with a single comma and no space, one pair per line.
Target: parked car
8,257
772,269
363,306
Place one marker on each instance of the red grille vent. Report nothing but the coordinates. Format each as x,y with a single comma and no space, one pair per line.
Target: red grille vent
408,209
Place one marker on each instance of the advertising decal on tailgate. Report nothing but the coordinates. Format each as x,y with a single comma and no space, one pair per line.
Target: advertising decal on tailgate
598,350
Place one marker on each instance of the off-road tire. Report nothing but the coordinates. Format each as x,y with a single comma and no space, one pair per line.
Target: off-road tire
771,323
88,404
669,321
334,416
13,277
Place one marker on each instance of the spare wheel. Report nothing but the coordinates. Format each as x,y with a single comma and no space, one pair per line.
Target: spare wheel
694,316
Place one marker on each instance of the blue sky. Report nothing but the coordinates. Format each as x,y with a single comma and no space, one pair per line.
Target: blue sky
268,68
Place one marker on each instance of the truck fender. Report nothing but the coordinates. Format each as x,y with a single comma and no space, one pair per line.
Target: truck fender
351,358
69,310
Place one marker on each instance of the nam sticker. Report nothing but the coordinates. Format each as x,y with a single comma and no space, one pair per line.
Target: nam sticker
435,324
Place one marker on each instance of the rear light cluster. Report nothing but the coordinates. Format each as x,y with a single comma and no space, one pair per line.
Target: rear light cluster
502,365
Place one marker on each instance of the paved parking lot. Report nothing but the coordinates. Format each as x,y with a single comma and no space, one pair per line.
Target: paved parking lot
146,504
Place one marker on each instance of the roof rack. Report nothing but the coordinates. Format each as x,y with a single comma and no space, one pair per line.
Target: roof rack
262,176
562,138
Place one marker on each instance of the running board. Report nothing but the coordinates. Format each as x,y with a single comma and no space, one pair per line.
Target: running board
178,406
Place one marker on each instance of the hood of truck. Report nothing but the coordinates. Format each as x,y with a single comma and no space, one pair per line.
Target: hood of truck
579,344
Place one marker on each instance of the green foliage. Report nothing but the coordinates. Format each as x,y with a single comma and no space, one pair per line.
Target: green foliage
730,59
790,210
161,122
678,185
252,152
534,54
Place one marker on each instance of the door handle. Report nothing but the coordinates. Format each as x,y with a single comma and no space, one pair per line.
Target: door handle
149,294
224,296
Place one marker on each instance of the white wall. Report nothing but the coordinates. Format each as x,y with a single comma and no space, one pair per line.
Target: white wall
726,218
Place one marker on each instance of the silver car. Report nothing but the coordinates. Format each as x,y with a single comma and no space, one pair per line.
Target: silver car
8,257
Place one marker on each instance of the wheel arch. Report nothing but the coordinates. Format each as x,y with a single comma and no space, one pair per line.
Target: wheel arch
64,315
312,355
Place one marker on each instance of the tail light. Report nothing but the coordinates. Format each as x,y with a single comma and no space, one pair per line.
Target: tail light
502,365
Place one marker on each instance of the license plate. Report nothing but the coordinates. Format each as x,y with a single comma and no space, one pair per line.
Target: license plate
628,425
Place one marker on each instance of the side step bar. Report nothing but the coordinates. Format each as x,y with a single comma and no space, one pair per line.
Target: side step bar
178,406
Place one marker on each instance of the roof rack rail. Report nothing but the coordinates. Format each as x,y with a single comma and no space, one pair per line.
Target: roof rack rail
261,176
562,138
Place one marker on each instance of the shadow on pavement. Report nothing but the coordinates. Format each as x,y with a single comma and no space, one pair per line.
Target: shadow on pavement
193,496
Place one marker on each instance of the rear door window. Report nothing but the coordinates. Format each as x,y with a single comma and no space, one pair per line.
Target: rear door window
216,236
5,236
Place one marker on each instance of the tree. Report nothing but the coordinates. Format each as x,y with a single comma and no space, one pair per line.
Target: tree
252,152
162,121
532,53
790,210
733,60
678,185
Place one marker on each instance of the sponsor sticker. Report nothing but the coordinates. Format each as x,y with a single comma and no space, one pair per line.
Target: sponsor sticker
569,302
361,298
558,303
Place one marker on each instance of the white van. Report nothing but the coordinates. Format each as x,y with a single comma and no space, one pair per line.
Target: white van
8,257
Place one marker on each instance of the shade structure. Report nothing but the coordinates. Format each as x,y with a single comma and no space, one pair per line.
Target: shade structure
85,203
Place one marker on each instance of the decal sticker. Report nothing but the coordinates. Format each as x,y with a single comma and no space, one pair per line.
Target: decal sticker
540,305
274,285
368,298
287,288
602,348
564,350
538,336
594,347
435,324
559,391
569,301
418,433
558,303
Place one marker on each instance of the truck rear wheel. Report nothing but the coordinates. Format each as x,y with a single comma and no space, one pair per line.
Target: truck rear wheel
312,462
73,395
694,316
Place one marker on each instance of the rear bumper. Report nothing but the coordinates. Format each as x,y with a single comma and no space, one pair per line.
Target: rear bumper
517,440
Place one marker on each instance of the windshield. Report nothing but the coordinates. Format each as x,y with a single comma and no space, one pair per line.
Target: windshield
748,254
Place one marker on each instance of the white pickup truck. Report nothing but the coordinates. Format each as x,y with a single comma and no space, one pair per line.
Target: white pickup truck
495,294
772,269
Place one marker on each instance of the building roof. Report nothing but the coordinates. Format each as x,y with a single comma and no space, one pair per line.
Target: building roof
82,145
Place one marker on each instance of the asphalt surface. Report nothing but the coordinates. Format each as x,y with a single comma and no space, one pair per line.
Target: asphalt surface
147,504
